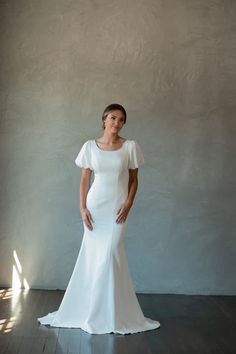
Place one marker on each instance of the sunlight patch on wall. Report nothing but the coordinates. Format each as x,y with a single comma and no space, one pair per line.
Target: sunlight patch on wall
18,281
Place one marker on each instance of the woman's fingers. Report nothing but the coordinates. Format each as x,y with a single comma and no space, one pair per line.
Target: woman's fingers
118,211
91,217
119,216
121,220
88,223
87,218
123,215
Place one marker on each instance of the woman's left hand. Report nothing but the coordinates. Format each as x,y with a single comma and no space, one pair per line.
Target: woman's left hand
123,212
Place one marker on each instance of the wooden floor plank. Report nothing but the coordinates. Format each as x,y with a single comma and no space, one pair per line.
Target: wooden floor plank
26,345
14,345
50,345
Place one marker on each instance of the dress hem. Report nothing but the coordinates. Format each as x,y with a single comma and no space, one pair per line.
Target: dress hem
85,328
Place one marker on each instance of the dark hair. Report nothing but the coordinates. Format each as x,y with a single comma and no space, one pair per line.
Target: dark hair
113,107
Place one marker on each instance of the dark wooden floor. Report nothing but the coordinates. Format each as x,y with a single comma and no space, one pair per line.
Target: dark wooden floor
189,324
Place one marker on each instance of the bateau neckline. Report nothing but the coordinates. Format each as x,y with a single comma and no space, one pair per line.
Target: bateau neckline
109,150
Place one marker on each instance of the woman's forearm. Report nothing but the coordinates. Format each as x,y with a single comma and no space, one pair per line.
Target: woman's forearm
132,189
84,188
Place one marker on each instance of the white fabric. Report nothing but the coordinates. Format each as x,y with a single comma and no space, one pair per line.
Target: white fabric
100,297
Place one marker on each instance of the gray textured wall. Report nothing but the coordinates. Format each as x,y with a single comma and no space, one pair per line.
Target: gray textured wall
172,65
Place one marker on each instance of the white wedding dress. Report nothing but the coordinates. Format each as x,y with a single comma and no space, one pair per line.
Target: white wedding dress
100,297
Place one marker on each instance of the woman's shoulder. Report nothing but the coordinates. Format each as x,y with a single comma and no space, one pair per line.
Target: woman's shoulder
127,140
86,145
131,142
89,142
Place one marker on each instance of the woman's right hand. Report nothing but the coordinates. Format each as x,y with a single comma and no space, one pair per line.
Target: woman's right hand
87,218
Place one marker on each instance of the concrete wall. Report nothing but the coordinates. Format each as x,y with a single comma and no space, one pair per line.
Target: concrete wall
172,65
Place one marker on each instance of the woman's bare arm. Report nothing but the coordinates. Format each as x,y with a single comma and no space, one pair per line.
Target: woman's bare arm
84,188
133,185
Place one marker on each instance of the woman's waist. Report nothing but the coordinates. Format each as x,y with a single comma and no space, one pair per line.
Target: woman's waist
108,189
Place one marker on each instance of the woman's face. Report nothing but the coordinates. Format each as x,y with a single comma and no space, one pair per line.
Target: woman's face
114,121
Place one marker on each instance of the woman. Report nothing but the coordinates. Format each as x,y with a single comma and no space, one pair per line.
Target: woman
100,297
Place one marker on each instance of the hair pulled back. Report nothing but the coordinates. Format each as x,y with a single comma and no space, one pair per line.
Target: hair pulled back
112,107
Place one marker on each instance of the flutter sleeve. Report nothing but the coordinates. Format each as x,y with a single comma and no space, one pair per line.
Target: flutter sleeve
135,155
83,158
